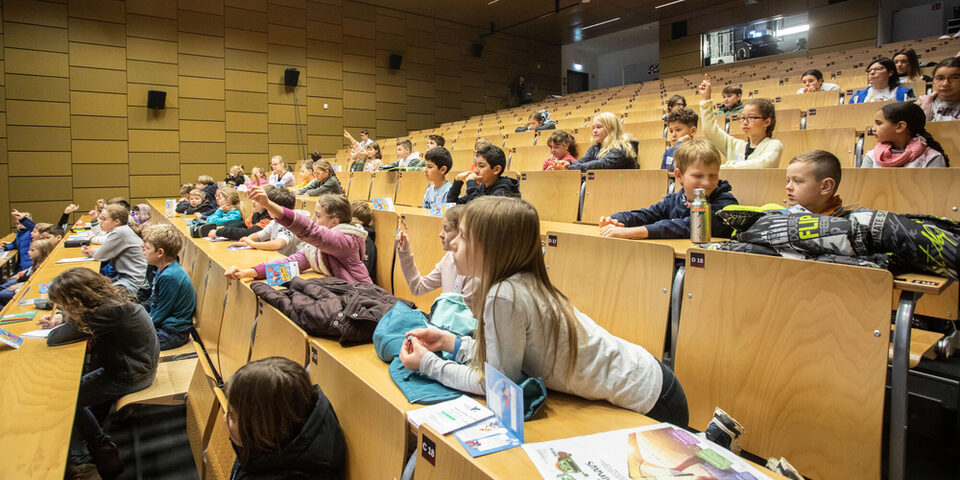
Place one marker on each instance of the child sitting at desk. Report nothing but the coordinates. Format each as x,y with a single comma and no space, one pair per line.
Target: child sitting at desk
125,346
812,181
334,246
437,165
257,221
209,187
198,204
444,274
903,140
697,166
228,214
184,201
526,326
122,248
281,425
681,126
38,252
485,178
759,118
273,236
324,181
173,300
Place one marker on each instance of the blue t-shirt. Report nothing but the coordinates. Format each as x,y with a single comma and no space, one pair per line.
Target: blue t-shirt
435,196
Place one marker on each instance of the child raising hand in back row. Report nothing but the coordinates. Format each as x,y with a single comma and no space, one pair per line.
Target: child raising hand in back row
758,119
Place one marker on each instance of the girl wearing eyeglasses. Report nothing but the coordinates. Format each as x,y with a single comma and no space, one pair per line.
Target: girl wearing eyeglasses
884,84
944,103
758,119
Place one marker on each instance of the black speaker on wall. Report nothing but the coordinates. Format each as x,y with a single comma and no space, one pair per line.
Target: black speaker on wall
678,30
156,99
291,77
395,61
476,50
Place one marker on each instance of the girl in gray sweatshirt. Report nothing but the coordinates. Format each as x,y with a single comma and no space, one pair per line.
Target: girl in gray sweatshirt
527,327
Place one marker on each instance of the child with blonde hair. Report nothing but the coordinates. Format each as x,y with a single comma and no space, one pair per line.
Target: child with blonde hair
611,147
257,178
38,252
235,177
528,327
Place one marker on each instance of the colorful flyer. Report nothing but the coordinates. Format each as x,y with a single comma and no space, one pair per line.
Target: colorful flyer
10,339
169,207
655,451
280,273
385,203
440,209
44,287
505,430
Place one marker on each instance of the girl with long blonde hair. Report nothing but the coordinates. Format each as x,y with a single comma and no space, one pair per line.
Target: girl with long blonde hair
528,327
611,149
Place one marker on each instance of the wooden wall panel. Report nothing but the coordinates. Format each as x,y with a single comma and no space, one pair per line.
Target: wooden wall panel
73,94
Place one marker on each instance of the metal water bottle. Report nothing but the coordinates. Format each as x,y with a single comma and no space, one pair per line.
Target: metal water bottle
700,217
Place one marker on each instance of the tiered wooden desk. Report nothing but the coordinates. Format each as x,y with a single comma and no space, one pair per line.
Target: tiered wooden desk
40,385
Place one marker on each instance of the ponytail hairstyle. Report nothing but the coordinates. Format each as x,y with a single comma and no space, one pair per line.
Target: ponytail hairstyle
616,138
768,110
891,67
502,234
562,137
231,195
270,400
79,291
916,120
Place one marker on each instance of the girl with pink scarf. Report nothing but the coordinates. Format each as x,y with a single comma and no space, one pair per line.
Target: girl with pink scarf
903,140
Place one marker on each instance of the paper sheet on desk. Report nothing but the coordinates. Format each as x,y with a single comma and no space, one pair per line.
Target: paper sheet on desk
75,260
41,333
217,239
451,415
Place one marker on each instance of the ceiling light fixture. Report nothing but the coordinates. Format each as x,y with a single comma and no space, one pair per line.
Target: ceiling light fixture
602,23
792,30
492,2
668,4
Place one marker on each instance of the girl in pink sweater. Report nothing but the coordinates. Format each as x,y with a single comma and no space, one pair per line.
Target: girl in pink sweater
334,246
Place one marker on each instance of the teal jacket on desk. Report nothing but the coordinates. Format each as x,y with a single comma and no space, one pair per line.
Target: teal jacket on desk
225,218
173,301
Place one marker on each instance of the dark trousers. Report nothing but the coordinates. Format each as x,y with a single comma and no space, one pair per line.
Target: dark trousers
671,407
97,390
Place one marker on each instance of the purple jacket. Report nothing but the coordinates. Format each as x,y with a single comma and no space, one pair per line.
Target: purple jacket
341,248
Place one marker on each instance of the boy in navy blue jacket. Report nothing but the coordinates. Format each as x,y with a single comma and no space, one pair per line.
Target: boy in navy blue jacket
173,300
697,166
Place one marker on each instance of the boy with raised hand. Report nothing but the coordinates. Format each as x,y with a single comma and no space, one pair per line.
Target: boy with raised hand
812,181
697,166
173,300
681,126
486,178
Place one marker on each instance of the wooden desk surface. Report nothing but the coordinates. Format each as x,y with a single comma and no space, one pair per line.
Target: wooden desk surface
39,396
217,251
918,282
563,416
